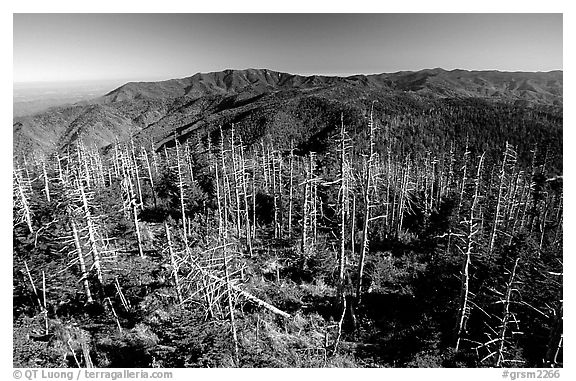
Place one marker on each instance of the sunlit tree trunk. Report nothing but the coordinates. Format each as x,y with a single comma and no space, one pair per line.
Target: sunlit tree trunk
369,188
467,251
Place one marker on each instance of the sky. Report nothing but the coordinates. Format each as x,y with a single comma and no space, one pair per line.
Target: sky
149,47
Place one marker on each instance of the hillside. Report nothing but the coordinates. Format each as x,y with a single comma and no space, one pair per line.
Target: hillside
268,103
259,219
542,88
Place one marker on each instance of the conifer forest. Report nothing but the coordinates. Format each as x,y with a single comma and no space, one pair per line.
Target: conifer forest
369,245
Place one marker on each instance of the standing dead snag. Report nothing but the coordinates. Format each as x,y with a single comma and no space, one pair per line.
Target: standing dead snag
508,160
130,201
46,181
462,188
309,208
369,190
94,249
135,167
469,243
137,227
81,262
275,197
344,202
291,192
144,156
237,183
181,189
223,242
173,264
244,180
344,205
404,192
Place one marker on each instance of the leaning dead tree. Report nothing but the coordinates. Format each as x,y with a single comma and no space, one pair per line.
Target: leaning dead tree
507,324
84,274
467,249
22,192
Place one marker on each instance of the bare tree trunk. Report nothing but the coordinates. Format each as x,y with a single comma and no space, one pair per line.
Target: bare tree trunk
181,189
506,315
344,204
247,224
80,255
461,198
173,264
309,213
509,154
95,251
254,222
368,190
137,228
237,184
46,182
291,194
469,244
150,177
275,198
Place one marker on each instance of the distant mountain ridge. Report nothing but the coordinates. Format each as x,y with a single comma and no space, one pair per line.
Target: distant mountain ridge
265,100
546,87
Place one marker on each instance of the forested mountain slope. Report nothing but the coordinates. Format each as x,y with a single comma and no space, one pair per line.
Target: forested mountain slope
285,106
256,219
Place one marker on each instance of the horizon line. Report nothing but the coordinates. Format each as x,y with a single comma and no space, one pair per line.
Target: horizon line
305,74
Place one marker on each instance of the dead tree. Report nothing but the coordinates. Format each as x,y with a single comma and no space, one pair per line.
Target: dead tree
223,243
308,210
21,195
226,190
403,196
462,189
130,201
468,249
181,190
46,181
508,160
499,335
369,190
88,220
506,314
144,156
237,183
244,190
275,193
173,264
81,262
291,189
344,203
